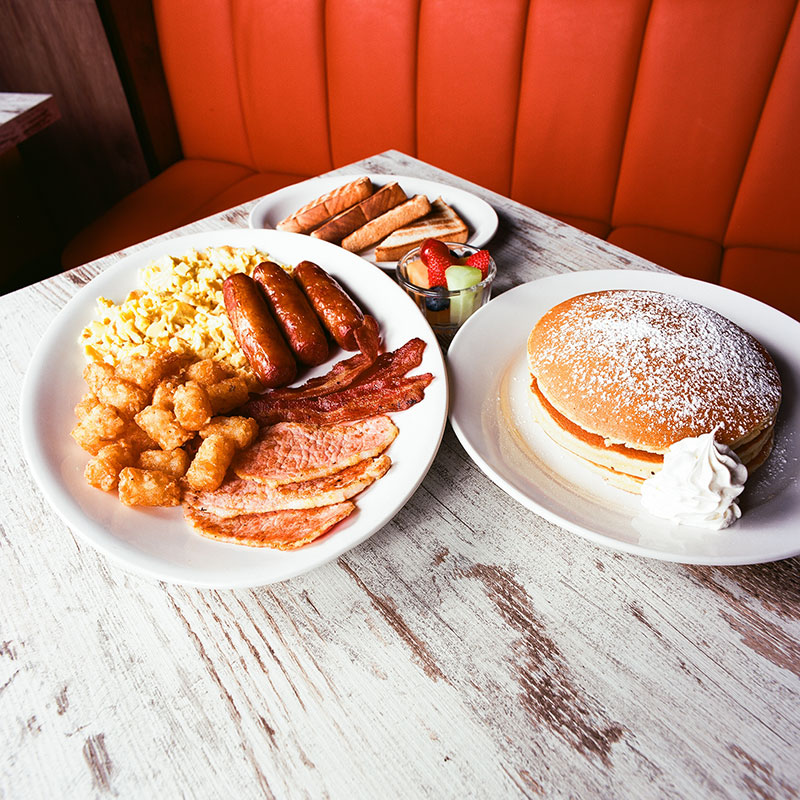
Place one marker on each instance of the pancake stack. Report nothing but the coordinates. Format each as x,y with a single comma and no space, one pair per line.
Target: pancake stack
618,376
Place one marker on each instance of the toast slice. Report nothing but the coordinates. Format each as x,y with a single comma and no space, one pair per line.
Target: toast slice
380,227
441,223
322,208
335,229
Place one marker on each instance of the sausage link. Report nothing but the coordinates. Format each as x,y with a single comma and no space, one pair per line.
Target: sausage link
339,314
257,332
295,316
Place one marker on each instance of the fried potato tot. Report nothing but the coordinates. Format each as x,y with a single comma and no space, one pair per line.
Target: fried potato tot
192,406
87,438
103,470
110,390
161,425
164,394
243,430
208,371
173,462
146,371
85,405
105,422
148,487
208,468
228,394
135,438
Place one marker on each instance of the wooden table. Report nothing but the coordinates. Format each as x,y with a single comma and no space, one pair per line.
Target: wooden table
23,115
468,649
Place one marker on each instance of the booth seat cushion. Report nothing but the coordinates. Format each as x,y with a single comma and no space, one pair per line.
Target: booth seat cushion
594,226
778,274
688,255
188,190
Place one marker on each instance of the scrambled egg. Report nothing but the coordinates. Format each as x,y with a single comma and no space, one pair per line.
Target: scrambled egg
180,307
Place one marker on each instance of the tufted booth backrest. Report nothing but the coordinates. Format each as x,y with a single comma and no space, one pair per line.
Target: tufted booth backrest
668,115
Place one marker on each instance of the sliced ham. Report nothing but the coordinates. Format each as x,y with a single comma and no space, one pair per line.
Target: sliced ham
282,530
291,452
237,496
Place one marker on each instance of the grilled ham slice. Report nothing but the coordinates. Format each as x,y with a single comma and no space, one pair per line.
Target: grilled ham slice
291,452
282,530
237,496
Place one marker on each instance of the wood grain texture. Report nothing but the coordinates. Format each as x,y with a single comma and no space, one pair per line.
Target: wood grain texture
23,115
468,649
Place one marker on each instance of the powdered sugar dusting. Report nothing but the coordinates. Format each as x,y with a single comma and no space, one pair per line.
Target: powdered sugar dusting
650,360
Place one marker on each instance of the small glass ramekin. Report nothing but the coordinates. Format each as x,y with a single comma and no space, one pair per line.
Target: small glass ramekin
446,310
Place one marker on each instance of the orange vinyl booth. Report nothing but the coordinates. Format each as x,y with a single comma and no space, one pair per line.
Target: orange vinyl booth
670,128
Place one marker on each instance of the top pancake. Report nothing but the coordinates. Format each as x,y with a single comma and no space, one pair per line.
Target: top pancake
646,369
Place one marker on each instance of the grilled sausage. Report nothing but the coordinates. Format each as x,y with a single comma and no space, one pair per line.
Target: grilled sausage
257,332
294,315
339,314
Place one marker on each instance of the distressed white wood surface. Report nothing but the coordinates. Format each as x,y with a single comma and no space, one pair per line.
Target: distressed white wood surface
468,649
22,115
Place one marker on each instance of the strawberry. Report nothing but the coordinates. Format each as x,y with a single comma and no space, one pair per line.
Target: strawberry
437,258
481,261
433,247
437,264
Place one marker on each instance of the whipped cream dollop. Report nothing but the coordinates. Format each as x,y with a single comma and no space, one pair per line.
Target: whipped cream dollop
698,484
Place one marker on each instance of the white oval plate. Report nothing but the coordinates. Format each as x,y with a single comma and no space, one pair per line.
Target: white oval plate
491,417
480,217
158,543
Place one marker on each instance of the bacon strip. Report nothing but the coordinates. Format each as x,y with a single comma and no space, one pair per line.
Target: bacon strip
357,402
344,372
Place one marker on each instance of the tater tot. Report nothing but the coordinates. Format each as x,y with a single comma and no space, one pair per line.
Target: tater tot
105,421
86,404
164,394
243,430
228,394
208,371
148,487
173,462
135,438
87,438
208,468
147,371
103,470
192,406
160,425
111,391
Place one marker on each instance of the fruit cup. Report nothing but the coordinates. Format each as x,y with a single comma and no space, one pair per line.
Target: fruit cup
446,309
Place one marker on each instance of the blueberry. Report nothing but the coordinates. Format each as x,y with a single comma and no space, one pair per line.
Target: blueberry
437,303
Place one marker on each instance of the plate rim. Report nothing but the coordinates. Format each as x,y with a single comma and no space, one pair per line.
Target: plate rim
55,490
492,219
639,278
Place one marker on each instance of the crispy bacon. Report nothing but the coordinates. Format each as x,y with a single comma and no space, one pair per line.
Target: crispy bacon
344,372
349,391
380,396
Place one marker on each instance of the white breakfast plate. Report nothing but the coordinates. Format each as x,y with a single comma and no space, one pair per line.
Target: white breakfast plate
490,415
480,217
158,543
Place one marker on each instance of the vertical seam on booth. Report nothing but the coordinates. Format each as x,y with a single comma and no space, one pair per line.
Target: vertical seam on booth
236,61
327,81
628,120
512,169
416,81
757,126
